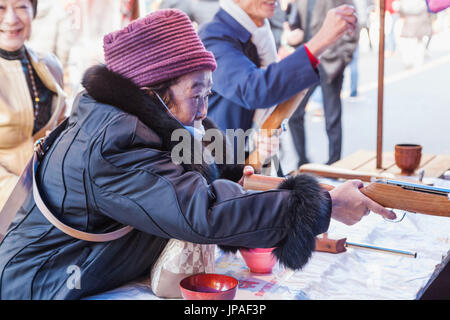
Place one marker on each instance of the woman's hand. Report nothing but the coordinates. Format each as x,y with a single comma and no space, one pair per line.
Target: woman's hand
337,22
248,171
349,205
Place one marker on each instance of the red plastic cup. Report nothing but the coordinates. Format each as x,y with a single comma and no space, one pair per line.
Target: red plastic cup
259,260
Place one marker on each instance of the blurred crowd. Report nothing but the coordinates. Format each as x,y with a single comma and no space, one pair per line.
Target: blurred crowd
68,27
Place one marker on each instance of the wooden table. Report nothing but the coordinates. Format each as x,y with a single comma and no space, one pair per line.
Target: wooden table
365,160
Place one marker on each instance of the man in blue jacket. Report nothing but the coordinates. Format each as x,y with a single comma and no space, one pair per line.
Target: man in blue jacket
248,77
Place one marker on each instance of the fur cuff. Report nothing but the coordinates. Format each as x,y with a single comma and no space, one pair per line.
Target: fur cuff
309,213
229,249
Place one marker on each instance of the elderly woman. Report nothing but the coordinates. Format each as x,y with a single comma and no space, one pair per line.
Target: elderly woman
112,166
31,95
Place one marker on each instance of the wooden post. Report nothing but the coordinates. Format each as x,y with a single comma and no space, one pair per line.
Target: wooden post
380,86
135,12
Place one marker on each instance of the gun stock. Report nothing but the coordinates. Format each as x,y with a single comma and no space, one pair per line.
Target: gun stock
283,111
390,194
409,197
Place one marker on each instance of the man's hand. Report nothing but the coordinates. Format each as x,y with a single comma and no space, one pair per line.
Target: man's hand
265,146
349,205
295,37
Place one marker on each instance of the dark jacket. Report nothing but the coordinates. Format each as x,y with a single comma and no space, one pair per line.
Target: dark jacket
112,166
240,85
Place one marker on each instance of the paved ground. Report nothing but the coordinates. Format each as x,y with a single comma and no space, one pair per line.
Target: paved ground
416,104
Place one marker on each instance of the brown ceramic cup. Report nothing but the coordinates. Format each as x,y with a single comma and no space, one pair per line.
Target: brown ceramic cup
407,157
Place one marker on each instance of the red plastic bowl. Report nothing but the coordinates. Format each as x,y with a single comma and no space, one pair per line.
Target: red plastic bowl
208,286
259,260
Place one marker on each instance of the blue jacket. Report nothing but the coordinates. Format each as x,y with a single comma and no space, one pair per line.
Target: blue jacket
240,85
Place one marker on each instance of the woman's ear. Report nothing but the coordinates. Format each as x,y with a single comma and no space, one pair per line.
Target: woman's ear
164,97
153,93
148,91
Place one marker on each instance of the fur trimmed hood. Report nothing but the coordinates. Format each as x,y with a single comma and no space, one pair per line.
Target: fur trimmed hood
111,88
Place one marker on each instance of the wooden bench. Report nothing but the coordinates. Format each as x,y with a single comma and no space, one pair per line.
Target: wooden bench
365,160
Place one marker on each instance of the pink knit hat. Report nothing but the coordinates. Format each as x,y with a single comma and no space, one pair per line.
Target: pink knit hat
159,47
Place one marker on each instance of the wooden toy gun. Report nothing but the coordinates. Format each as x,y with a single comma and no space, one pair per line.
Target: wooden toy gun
388,193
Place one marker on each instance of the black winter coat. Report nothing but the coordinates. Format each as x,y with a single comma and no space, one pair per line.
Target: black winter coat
110,167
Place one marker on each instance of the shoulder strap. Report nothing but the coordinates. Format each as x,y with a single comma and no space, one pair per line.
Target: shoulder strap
24,184
41,147
15,200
